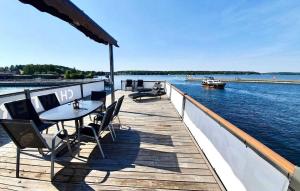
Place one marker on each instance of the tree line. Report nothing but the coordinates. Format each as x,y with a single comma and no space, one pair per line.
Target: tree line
57,71
41,70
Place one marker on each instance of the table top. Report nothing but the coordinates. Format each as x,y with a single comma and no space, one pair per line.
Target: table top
66,112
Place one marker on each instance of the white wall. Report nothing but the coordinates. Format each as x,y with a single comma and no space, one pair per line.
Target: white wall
64,95
177,99
3,112
67,94
168,90
89,87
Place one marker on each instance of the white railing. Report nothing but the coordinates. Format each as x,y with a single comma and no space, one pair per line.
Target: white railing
65,93
9,98
89,87
241,162
177,100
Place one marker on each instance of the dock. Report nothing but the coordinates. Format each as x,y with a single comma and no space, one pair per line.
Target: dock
154,150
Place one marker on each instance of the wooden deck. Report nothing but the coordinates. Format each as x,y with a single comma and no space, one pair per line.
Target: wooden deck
153,151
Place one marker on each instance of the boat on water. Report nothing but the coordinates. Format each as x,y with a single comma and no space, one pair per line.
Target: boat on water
211,82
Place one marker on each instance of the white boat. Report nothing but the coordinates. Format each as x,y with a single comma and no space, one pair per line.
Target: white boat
211,82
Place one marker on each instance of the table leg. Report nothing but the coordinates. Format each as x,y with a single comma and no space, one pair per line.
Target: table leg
79,124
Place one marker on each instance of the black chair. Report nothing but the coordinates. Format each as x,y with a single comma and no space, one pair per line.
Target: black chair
117,109
156,91
100,116
25,134
128,84
23,109
48,102
140,85
94,130
98,96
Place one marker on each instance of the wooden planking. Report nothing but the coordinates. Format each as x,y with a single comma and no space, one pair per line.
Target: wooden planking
153,151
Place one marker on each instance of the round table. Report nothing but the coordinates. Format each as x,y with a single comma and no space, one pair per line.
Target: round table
66,112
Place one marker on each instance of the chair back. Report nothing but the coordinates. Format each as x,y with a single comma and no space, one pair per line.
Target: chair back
128,83
118,106
108,116
23,133
157,86
98,96
23,109
49,101
140,83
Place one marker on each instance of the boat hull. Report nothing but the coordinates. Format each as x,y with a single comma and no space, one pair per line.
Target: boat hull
215,86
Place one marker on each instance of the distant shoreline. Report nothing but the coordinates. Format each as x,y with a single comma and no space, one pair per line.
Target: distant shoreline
145,72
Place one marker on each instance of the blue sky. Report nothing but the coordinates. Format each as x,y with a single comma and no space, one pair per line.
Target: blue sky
251,35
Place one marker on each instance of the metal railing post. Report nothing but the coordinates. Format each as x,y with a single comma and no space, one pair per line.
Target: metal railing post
170,91
27,93
81,90
133,87
183,105
295,179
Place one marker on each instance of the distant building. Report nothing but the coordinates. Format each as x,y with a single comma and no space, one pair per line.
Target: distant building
6,75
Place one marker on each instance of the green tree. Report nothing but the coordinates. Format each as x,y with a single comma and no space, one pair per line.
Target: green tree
67,74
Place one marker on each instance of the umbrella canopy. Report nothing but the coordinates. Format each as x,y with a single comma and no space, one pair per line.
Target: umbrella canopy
67,11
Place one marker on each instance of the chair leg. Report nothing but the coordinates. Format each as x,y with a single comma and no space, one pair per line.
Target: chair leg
119,121
62,125
111,132
95,120
41,151
78,135
52,164
18,162
114,132
57,126
69,146
98,143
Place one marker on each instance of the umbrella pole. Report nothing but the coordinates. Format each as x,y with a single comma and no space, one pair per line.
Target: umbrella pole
112,81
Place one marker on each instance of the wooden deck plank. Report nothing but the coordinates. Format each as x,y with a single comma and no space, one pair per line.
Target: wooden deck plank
153,151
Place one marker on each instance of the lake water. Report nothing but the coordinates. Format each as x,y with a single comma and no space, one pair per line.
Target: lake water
268,112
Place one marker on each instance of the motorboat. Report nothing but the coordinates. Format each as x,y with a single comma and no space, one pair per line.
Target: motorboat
211,82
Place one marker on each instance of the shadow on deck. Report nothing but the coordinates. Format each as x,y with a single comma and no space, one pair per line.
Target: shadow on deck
121,154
